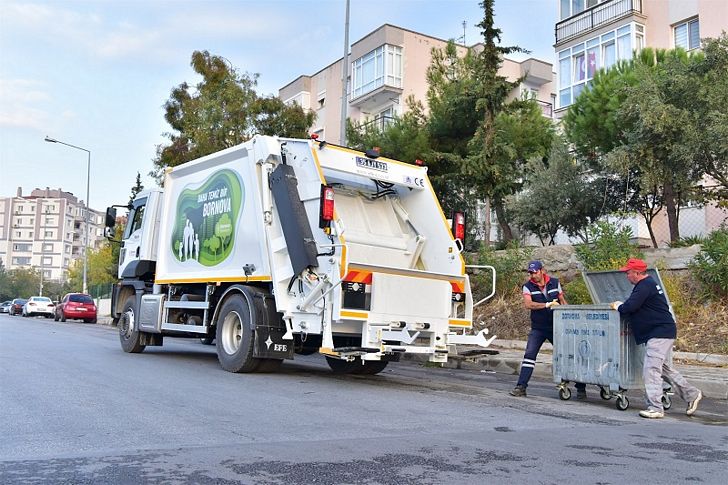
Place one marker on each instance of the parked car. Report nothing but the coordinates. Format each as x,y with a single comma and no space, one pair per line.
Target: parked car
16,306
76,305
39,305
5,306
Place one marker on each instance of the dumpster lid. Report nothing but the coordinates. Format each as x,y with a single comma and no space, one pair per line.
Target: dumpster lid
609,286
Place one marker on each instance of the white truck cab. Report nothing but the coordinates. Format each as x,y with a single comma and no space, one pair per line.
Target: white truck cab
139,241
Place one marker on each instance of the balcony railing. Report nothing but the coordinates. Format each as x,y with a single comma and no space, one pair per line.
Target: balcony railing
594,17
380,123
547,109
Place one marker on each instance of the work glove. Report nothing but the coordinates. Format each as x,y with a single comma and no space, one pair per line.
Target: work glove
552,304
615,304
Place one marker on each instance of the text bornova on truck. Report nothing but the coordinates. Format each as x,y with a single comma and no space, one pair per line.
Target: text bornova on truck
281,246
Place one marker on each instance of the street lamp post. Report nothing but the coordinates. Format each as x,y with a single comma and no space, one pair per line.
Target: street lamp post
88,207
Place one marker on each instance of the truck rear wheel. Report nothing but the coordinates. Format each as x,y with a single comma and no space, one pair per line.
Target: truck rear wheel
129,336
234,337
369,368
372,367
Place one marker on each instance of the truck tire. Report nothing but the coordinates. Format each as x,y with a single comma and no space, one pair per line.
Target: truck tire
234,337
371,367
269,365
340,366
129,337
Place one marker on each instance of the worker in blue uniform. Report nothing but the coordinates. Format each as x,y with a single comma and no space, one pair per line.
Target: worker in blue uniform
540,294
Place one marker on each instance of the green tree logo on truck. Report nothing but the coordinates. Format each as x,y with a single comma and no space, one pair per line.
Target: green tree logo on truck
204,228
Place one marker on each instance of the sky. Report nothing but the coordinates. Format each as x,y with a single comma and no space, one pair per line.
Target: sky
96,74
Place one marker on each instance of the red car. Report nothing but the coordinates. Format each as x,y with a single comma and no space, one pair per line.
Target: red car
78,306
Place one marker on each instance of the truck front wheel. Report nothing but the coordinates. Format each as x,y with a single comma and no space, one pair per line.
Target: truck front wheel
129,336
234,337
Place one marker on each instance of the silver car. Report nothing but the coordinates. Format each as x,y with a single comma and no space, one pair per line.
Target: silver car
39,305
5,306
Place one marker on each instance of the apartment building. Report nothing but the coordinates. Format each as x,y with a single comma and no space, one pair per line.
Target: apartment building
595,34
46,230
387,66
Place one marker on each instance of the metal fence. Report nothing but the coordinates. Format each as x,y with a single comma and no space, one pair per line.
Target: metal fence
100,291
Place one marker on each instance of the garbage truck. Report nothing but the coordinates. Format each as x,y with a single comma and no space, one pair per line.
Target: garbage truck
282,246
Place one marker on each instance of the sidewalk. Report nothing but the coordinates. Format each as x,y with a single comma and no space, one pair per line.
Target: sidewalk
711,377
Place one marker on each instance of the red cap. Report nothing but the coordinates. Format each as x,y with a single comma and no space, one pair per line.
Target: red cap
635,264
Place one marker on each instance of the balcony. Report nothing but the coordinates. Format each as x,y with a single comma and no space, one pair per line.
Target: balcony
594,17
380,124
547,109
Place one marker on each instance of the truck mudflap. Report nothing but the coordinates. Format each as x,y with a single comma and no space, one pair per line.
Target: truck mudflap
269,328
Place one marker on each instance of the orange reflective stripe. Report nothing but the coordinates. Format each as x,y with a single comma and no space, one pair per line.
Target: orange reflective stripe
458,286
359,277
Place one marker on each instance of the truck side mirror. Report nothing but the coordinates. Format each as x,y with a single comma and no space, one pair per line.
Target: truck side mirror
110,217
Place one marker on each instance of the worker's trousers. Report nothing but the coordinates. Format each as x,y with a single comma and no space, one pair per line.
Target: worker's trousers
655,369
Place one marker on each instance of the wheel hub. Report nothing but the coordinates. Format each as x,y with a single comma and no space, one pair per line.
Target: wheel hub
232,332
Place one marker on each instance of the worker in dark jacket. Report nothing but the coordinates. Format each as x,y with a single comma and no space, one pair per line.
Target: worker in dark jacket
653,325
540,294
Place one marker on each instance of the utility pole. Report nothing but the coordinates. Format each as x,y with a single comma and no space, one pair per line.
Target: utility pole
345,80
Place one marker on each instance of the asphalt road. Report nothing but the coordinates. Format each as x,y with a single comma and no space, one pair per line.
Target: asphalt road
76,409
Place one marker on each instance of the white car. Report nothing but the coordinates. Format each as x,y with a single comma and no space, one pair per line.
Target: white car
39,305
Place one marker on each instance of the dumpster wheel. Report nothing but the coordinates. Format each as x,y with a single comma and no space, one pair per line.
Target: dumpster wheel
666,401
605,394
564,393
622,402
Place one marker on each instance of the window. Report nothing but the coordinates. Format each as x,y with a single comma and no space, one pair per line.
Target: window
47,274
21,261
17,233
624,44
47,247
136,217
579,64
48,220
47,261
573,7
381,66
687,35
22,247
48,234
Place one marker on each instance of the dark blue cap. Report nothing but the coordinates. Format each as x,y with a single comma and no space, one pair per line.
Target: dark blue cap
534,266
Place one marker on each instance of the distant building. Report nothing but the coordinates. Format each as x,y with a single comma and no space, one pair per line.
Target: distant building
387,66
46,230
595,34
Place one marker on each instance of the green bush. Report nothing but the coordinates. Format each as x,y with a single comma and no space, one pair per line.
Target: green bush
576,292
610,247
710,266
688,241
509,266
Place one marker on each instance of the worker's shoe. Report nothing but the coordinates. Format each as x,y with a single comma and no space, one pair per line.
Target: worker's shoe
693,405
652,414
518,391
581,394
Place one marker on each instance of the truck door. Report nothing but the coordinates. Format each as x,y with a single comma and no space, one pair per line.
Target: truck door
132,238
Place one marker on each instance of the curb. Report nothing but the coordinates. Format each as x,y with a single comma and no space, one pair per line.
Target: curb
716,388
717,359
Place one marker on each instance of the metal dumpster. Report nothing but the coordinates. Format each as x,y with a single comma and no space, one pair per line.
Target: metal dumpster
593,344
